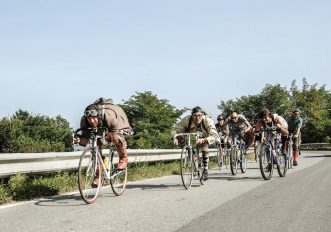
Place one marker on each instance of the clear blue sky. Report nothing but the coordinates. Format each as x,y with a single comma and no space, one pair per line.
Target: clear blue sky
56,57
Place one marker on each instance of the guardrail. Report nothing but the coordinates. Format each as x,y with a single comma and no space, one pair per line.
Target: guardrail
307,146
36,163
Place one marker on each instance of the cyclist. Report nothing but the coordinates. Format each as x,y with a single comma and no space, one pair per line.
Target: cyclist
239,125
294,122
222,128
112,117
266,119
198,122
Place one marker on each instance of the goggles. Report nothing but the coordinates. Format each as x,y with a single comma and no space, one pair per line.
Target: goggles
91,113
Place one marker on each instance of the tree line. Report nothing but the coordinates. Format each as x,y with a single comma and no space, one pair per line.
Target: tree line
152,119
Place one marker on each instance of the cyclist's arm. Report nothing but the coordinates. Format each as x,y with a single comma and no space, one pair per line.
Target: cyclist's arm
212,133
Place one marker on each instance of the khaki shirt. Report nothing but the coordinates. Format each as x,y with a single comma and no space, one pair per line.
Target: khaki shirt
113,117
208,130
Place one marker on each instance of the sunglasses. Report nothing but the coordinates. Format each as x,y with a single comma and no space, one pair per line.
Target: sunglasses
91,113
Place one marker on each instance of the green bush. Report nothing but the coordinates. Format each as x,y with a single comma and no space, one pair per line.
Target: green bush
4,195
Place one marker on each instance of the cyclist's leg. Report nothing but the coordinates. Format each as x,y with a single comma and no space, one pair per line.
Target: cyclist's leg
248,139
295,151
121,147
205,160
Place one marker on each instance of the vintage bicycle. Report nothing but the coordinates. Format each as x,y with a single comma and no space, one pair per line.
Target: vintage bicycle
190,163
95,171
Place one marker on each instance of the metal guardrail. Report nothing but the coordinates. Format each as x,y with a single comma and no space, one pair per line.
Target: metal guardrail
36,163
314,145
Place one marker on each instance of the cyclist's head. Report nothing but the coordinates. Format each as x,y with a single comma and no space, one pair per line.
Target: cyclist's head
91,111
264,113
197,114
92,115
220,117
234,116
296,112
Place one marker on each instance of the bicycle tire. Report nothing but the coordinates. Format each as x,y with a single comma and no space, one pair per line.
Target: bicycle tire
119,176
88,168
186,167
290,157
282,165
233,161
266,163
220,158
243,162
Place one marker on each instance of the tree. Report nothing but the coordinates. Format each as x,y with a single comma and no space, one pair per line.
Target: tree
151,119
24,132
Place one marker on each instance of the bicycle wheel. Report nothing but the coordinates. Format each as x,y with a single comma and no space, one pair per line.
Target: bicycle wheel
266,163
88,171
119,177
233,160
186,167
290,156
282,165
243,162
220,158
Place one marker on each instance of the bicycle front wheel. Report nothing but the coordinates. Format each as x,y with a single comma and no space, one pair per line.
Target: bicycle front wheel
266,163
243,162
234,161
186,167
282,165
89,176
118,177
220,158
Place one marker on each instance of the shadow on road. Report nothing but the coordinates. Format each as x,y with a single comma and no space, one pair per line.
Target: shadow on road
317,156
156,187
60,201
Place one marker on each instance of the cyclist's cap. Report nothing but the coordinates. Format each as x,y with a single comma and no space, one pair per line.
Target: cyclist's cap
91,110
196,110
296,111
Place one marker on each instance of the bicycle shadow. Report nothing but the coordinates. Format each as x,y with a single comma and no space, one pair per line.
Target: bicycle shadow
230,177
61,200
155,187
318,156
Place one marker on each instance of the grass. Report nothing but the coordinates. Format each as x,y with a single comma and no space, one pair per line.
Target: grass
26,187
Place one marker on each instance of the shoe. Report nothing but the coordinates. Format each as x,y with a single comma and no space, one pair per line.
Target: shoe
295,163
268,168
123,163
95,180
205,174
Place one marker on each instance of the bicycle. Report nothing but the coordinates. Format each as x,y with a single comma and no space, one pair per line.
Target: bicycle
238,145
269,153
190,162
289,146
223,157
92,167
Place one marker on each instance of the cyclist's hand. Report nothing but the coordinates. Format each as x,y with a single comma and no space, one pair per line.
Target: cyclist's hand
295,136
201,141
76,140
175,141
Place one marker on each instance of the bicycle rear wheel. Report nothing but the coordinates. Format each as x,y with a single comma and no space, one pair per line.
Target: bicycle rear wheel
243,162
89,170
282,165
186,167
233,161
266,163
119,177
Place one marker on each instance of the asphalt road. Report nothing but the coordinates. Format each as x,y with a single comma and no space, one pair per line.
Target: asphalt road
301,201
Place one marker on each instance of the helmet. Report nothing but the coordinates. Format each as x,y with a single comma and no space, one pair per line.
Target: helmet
92,110
220,117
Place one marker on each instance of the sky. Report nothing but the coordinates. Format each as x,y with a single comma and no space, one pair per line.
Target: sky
56,57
